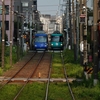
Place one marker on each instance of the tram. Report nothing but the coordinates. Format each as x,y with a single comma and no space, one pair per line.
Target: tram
56,40
41,41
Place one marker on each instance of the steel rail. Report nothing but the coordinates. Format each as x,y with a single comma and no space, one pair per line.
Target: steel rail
72,95
48,82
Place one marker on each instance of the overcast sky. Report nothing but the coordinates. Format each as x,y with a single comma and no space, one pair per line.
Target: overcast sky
53,6
49,6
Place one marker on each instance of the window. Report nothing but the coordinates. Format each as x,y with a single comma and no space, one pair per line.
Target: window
40,39
55,38
34,3
7,25
7,9
25,4
0,10
0,23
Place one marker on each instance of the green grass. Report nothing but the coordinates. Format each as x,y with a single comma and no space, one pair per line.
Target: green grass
57,67
86,91
8,92
35,91
74,70
59,91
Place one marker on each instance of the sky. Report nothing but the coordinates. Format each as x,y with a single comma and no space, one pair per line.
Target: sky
49,6
53,7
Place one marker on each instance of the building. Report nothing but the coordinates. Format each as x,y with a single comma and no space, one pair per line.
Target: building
7,17
51,23
19,7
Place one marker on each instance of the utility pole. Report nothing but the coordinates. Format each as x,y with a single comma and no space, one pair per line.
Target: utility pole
95,46
74,33
11,33
81,35
67,25
3,32
17,36
98,29
85,61
22,31
77,28
70,28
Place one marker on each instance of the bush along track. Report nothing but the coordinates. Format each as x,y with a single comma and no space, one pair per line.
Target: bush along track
83,90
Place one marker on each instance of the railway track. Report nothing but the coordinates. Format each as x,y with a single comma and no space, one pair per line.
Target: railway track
7,80
65,75
36,64
31,75
38,61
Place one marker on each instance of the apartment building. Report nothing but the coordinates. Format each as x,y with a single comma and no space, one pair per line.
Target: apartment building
27,8
7,17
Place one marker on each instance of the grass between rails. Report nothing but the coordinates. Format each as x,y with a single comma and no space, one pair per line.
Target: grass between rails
34,91
57,67
59,91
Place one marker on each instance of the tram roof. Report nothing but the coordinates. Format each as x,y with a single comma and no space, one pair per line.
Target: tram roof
56,34
40,34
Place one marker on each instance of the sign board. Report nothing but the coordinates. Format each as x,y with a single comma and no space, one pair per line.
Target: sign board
82,18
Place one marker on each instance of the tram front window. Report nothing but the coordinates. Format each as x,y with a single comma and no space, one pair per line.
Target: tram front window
55,39
40,39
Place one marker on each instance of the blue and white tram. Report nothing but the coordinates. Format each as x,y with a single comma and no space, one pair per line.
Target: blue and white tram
41,41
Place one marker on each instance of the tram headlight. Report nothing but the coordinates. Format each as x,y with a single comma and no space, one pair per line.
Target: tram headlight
51,44
35,45
61,44
46,45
